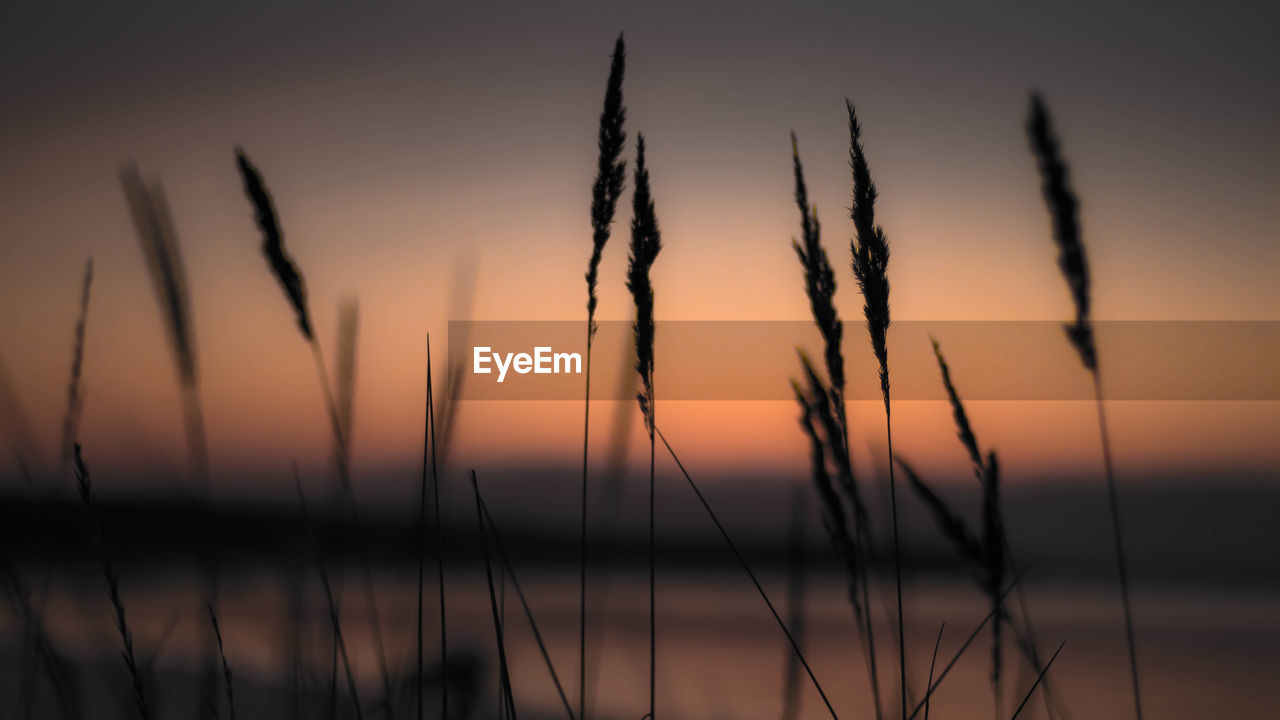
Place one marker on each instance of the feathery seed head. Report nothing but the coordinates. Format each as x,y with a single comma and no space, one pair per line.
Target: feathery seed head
646,242
75,387
963,429
815,411
1064,212
282,266
819,280
870,250
159,240
611,173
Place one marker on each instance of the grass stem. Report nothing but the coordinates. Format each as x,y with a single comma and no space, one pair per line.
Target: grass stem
795,645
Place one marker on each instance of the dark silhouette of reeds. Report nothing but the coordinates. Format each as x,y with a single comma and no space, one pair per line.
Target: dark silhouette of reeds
646,242
85,485
226,666
159,241
509,571
294,285
819,278
816,411
429,454
795,644
75,387
1064,213
870,250
989,555
822,426
493,603
611,174
993,559
344,398
830,409
282,266
158,238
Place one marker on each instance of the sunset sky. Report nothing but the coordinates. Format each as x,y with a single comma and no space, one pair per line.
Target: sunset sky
415,152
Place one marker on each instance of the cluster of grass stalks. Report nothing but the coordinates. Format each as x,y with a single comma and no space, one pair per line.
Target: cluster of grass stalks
824,420
823,407
823,402
986,553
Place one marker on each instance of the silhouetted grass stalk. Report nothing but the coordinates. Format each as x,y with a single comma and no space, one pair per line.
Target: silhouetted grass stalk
1063,207
608,186
995,557
158,237
870,250
524,604
344,410
960,652
429,444
493,602
226,666
990,555
932,661
92,514
815,405
646,242
294,286
75,389
1036,684
795,645
820,287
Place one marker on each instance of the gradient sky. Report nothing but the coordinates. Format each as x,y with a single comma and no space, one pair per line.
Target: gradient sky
404,145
